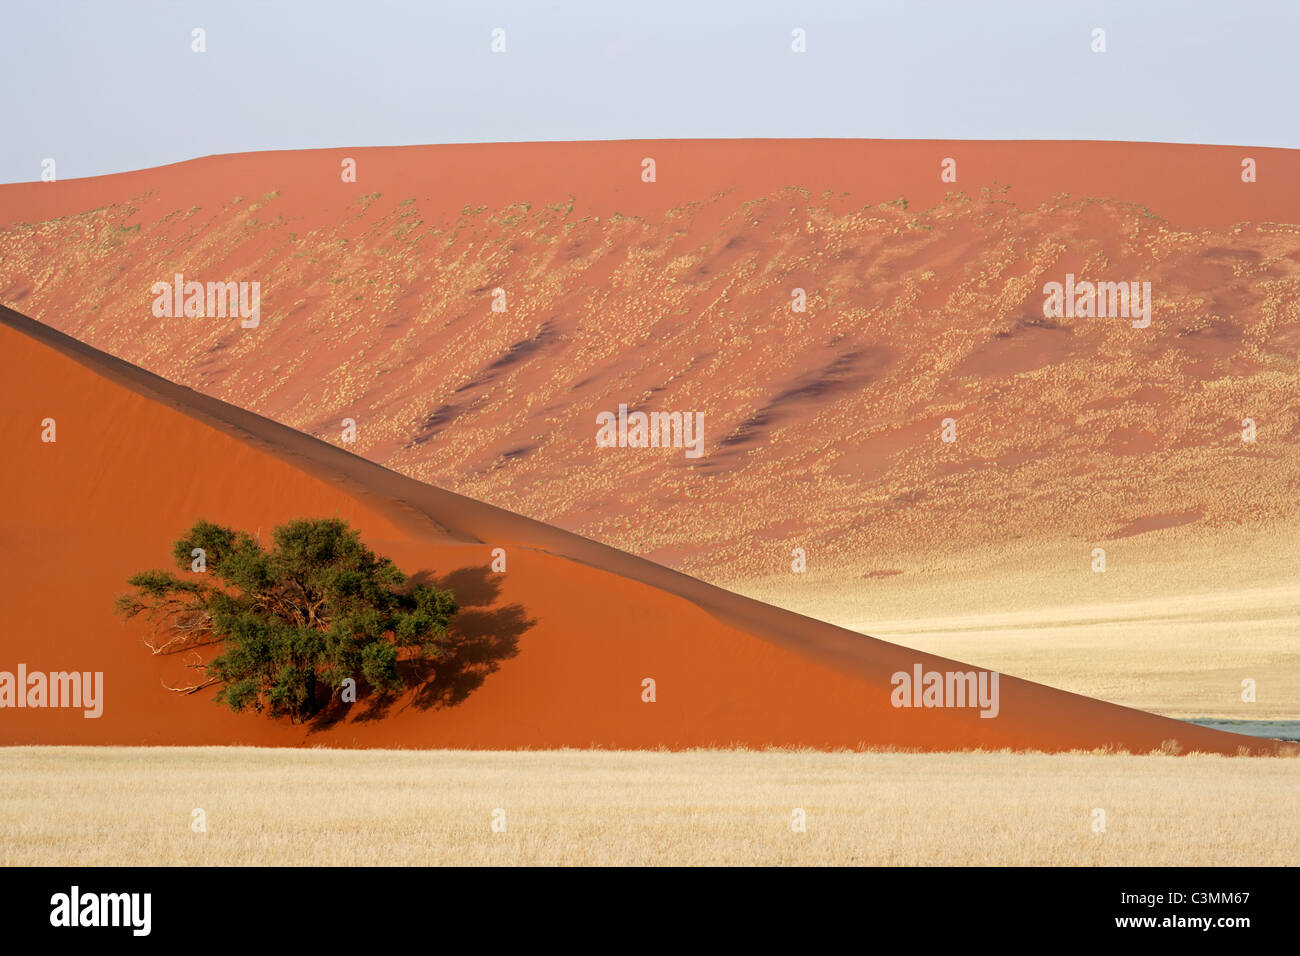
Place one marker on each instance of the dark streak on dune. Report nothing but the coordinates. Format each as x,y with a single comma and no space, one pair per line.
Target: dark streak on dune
847,372
521,350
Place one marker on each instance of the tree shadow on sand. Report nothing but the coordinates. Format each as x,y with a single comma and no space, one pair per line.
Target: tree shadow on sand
480,637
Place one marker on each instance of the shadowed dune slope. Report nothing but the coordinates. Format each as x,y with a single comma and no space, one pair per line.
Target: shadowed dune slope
554,650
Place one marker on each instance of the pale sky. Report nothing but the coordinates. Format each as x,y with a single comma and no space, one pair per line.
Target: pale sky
114,85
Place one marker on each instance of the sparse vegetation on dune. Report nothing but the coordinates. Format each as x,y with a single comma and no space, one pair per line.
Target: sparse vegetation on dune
1077,426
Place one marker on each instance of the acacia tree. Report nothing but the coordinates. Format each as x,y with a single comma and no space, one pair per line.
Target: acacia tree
293,621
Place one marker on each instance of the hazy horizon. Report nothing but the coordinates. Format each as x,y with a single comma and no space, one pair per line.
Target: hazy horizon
107,88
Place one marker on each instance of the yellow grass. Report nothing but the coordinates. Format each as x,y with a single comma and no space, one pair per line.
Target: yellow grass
1173,626
94,806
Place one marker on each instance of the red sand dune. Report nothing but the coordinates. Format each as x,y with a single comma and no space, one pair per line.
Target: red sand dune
924,302
563,638
1191,185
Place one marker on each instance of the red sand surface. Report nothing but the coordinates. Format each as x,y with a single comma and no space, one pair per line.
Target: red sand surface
560,643
924,302
1191,185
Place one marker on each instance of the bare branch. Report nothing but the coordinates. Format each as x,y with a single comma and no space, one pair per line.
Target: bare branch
196,664
189,688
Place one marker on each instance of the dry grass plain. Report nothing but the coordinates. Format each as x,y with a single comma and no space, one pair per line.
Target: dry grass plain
110,805
1173,626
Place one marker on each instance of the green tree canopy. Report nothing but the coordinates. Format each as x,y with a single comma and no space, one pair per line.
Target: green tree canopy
292,621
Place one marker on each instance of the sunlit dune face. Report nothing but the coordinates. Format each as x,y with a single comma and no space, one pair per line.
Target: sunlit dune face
382,311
